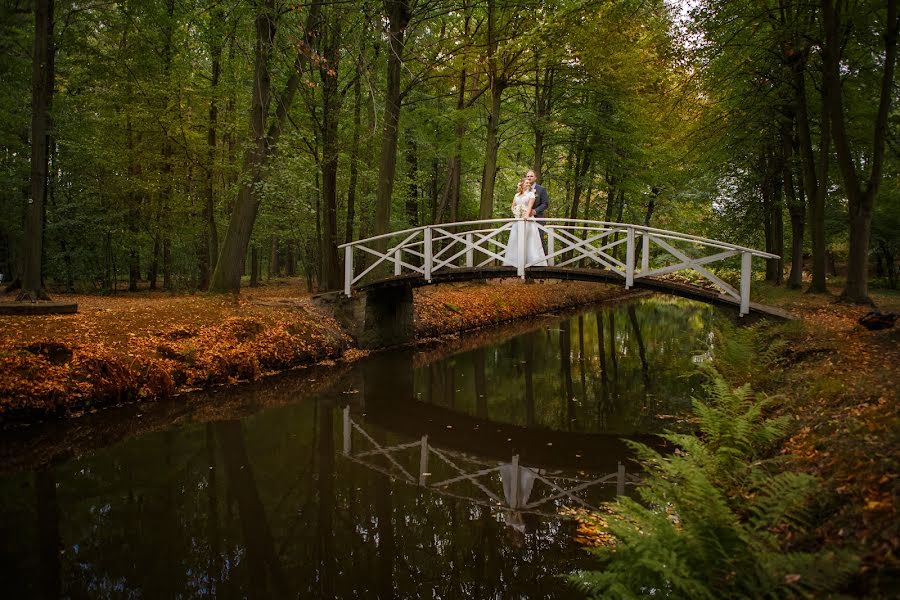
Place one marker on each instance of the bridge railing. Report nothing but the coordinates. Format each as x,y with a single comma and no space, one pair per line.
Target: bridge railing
630,251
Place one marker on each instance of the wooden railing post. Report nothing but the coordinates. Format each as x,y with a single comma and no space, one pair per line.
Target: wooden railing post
348,269
629,258
551,242
620,480
398,264
470,251
427,252
645,252
520,223
746,272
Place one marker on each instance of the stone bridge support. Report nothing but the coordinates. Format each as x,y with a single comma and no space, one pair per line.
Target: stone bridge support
376,318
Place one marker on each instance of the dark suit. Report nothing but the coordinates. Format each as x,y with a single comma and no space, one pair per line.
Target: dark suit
541,201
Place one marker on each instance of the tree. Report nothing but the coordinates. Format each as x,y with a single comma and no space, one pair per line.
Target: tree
861,189
265,134
42,79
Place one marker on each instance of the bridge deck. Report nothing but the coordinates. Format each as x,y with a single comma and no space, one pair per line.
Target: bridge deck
658,284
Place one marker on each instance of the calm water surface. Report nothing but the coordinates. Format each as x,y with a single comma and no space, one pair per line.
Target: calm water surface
444,473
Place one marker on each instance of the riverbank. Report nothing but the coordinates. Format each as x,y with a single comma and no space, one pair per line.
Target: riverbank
149,346
796,499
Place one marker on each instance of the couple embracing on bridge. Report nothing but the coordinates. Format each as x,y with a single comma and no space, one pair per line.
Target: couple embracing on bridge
530,202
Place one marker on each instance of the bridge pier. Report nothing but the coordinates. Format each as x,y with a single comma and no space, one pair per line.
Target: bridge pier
387,318
376,318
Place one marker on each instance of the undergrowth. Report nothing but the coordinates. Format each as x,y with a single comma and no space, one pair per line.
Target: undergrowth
720,517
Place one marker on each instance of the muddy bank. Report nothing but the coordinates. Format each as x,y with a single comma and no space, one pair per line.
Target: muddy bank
128,350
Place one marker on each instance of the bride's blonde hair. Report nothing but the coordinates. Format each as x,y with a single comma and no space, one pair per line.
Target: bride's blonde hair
523,185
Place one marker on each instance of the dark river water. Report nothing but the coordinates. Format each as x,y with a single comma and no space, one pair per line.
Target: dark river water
448,472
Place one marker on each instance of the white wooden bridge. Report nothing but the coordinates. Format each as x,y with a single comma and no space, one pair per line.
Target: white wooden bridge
576,249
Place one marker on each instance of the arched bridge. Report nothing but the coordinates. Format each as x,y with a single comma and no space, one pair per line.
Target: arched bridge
576,249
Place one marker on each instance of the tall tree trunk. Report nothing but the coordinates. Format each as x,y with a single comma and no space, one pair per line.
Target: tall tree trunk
497,84
814,169
135,201
42,78
796,206
254,266
772,179
354,151
398,14
227,275
543,95
229,267
167,152
489,175
328,72
860,191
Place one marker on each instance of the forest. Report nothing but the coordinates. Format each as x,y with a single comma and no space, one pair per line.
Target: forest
203,145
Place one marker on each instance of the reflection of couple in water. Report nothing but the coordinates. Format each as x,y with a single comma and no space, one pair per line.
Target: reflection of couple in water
517,484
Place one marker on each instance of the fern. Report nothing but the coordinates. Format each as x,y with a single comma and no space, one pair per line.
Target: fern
711,517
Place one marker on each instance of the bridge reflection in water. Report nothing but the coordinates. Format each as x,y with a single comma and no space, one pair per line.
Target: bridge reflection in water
512,487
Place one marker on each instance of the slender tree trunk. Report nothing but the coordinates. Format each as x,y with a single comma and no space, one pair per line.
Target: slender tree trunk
354,153
651,205
398,14
543,94
796,207
254,266
273,258
412,197
167,167
208,264
42,78
815,172
489,175
772,179
450,197
497,84
582,168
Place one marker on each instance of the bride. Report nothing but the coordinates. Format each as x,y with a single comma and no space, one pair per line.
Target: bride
522,206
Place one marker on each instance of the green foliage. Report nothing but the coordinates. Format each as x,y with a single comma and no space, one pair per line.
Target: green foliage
713,519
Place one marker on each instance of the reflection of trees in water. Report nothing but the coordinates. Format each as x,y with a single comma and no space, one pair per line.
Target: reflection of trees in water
263,562
611,370
48,532
217,509
261,507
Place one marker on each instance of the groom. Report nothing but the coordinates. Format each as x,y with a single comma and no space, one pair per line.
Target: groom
541,201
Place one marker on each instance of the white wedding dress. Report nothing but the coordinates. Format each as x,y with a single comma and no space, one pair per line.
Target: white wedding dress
534,249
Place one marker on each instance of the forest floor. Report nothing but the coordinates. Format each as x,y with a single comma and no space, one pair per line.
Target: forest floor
840,385
152,345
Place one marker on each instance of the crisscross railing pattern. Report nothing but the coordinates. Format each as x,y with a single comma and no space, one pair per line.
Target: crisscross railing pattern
630,251
474,479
